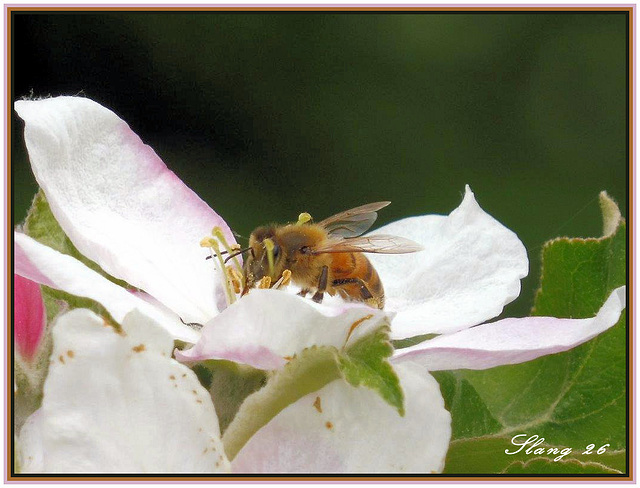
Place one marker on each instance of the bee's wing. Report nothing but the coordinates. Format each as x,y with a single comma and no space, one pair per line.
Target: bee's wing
381,243
353,222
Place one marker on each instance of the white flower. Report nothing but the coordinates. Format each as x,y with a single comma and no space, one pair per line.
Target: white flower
117,403
122,208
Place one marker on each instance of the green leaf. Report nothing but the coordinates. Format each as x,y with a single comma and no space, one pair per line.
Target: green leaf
487,455
470,416
571,399
411,341
364,363
571,466
229,384
58,301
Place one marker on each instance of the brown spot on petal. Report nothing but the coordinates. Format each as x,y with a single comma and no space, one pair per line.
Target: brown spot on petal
205,450
194,392
70,354
288,358
139,348
61,358
329,425
198,401
318,404
172,377
184,375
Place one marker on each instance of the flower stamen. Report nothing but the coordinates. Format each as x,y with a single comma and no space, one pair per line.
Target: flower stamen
269,246
265,282
283,281
235,278
231,250
212,243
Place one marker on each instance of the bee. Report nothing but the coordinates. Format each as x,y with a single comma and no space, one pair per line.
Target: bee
326,257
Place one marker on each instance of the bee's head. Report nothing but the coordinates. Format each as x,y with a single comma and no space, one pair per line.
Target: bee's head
265,257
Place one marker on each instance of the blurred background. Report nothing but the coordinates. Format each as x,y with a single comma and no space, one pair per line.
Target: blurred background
266,115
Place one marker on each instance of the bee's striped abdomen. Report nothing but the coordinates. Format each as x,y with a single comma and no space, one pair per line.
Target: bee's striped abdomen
353,276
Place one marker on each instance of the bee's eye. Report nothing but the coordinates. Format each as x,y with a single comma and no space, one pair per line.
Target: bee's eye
276,250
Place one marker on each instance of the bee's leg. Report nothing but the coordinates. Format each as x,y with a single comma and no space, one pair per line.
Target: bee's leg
364,290
303,292
195,325
322,284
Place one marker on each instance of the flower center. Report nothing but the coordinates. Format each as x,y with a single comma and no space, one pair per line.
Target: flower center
233,279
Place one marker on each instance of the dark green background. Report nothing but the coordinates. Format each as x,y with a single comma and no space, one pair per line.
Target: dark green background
266,115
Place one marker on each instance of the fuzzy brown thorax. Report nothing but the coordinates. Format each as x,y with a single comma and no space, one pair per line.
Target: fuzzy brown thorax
291,245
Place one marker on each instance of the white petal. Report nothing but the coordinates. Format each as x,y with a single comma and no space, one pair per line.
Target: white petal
120,205
512,341
49,267
470,269
265,326
117,403
352,430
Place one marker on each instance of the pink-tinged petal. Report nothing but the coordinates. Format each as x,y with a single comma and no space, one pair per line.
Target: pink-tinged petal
266,326
29,316
120,205
49,267
512,341
117,403
470,268
342,429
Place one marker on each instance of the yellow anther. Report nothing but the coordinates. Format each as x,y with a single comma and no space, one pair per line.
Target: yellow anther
284,280
207,242
269,245
303,218
265,282
235,279
286,277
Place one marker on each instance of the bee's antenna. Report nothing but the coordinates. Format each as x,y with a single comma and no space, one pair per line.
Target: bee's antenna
241,251
221,252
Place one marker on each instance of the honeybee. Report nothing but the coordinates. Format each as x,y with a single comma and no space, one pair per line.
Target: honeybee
326,257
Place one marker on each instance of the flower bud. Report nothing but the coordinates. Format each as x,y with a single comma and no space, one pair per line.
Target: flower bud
29,318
